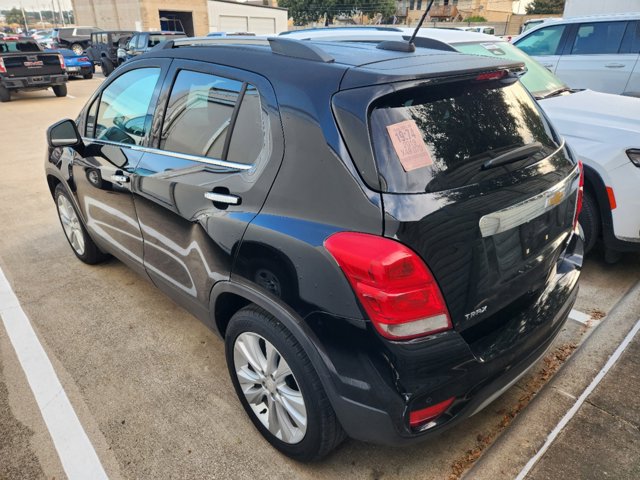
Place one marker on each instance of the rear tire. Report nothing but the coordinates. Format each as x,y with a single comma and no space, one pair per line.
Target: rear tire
88,76
77,49
60,90
590,221
272,391
79,240
107,67
5,94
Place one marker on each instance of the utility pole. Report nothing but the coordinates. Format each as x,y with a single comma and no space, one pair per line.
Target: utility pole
24,16
61,14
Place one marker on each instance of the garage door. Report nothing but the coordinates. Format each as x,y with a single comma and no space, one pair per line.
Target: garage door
230,23
262,25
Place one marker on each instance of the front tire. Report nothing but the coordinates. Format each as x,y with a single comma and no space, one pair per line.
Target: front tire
589,221
5,94
278,386
106,66
77,236
60,90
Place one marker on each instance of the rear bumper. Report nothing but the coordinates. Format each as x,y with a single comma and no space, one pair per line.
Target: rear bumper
34,82
373,399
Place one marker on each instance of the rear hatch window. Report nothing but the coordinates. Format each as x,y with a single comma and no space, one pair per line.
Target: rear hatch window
441,137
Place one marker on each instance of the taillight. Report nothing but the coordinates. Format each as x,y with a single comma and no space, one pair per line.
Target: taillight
62,65
422,416
3,69
580,194
393,284
497,75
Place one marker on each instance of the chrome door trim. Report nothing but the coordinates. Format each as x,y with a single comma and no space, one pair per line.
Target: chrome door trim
183,156
525,211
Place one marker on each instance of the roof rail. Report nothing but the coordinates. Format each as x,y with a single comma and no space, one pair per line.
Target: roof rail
299,49
280,46
204,41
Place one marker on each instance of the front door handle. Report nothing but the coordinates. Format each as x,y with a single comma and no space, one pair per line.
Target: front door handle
119,178
614,65
547,65
222,198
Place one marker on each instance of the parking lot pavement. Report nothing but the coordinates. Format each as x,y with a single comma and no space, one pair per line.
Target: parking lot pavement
149,383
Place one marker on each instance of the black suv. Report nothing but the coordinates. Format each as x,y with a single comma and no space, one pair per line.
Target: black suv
73,38
103,48
142,42
386,240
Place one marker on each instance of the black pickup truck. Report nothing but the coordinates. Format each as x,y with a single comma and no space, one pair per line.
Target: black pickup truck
24,65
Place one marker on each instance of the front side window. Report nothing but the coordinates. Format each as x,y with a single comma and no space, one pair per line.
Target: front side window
598,37
142,41
545,41
123,109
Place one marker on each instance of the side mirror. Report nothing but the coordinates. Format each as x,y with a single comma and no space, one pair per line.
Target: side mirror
64,134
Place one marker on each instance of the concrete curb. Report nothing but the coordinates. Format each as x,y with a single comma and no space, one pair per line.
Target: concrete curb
513,449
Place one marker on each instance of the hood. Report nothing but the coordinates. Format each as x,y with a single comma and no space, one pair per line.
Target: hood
598,126
596,117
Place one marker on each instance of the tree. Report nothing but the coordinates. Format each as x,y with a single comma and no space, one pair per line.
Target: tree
545,7
307,11
14,16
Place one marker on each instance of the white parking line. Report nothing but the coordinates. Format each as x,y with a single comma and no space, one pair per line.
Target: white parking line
578,403
74,448
578,316
70,96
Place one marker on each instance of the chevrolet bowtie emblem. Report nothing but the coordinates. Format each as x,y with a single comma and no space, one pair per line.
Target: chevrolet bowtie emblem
555,199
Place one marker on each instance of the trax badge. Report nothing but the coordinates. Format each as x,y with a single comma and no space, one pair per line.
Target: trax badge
475,313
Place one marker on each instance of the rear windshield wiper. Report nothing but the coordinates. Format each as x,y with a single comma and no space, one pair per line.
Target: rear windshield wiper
514,155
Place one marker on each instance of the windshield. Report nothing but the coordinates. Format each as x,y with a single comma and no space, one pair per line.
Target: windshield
538,80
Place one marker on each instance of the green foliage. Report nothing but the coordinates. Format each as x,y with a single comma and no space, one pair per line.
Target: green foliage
545,7
307,11
475,18
14,16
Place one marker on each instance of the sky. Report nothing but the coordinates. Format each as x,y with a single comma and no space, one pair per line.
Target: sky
32,5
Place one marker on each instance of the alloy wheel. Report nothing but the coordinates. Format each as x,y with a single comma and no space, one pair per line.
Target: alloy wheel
71,224
270,387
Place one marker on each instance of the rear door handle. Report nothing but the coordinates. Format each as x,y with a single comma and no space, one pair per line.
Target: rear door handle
614,65
222,198
119,178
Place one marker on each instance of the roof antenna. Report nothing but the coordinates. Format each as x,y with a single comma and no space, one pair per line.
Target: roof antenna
406,46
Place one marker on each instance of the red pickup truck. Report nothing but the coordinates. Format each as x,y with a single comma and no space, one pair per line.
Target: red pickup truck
24,65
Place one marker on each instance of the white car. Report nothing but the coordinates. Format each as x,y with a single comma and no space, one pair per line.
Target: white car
600,52
603,131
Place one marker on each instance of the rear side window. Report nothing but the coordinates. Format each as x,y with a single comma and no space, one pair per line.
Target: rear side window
598,37
202,111
545,41
631,40
83,31
437,138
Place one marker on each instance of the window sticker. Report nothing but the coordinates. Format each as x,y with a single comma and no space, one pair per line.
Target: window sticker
409,146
